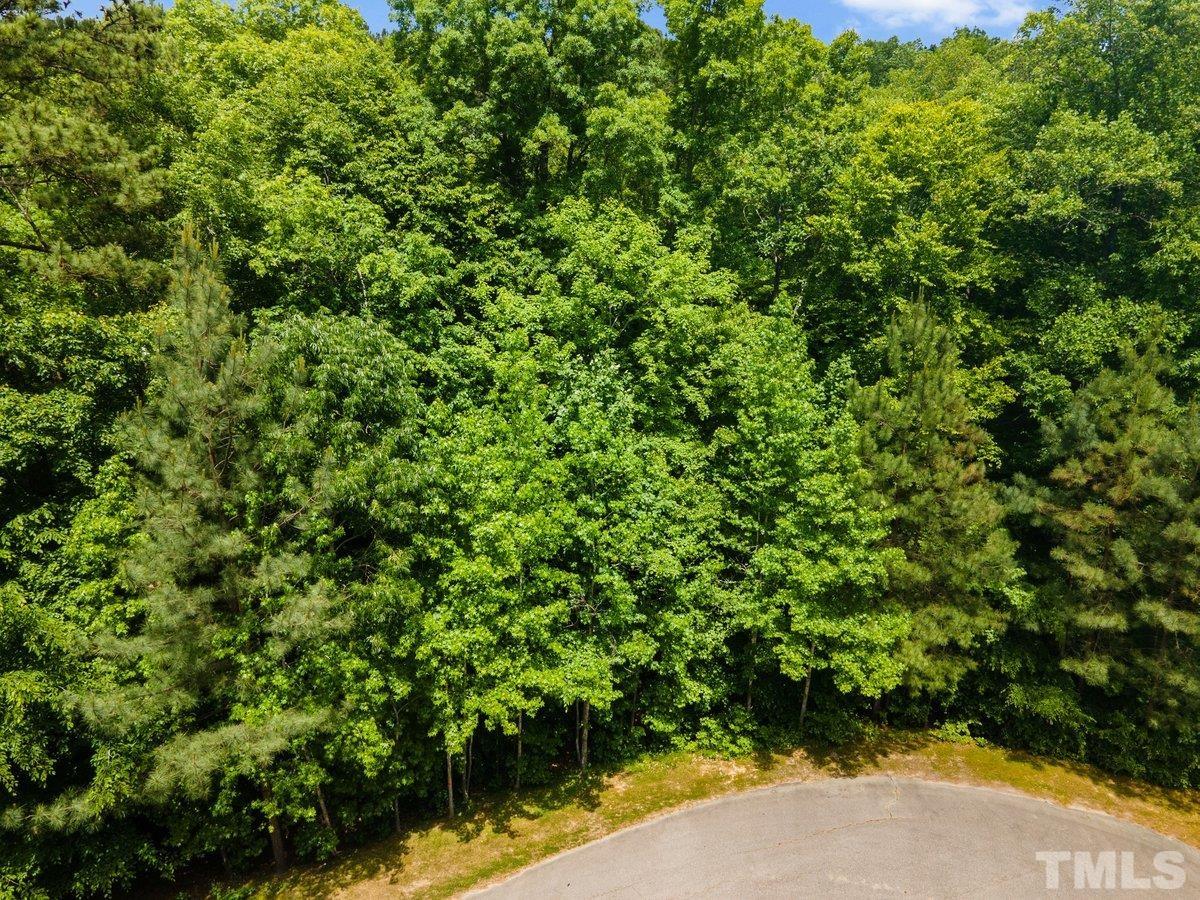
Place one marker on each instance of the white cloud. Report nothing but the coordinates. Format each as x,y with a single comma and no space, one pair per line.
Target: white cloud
942,14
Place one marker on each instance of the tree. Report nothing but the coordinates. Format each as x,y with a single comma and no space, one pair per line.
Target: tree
531,74
957,576
912,206
1120,509
214,591
802,533
81,236
535,442
79,182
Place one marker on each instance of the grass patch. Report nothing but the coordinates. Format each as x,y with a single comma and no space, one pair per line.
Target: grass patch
505,834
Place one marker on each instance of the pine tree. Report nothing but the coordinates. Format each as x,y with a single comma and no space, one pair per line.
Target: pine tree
923,448
78,181
1121,507
82,238
206,565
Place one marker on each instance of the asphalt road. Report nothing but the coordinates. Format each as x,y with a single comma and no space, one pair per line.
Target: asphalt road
869,837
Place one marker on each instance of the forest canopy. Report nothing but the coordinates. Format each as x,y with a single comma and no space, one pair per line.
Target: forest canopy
387,418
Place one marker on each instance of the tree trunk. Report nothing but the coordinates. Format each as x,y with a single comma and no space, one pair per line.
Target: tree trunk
583,753
449,785
276,832
777,258
395,746
750,679
804,702
520,729
577,756
467,763
326,820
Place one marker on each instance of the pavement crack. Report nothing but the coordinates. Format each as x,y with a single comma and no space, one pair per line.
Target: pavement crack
889,818
892,803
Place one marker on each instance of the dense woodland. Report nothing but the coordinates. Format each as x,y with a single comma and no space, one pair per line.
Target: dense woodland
386,419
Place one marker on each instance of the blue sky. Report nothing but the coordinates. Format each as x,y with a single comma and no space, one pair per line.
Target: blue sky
929,20
926,19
